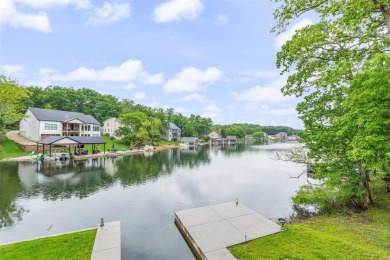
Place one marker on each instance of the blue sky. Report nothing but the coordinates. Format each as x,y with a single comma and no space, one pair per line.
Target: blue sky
214,58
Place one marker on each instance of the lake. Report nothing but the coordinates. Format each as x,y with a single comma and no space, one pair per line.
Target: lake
143,192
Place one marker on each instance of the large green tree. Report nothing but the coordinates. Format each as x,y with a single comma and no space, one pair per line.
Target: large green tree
12,102
324,65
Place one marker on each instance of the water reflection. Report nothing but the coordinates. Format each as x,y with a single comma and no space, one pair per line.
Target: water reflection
10,186
142,191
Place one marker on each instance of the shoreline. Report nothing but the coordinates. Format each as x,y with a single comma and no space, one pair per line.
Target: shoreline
99,155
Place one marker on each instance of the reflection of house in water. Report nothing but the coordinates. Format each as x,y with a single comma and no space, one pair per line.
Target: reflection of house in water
35,174
27,174
110,165
190,150
173,154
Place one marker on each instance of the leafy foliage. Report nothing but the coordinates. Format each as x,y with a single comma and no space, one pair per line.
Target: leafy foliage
12,102
82,100
334,65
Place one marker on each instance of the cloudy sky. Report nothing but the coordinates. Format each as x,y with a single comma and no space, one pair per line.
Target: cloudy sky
214,58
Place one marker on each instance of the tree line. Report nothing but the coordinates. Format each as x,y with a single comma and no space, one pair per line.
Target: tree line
140,123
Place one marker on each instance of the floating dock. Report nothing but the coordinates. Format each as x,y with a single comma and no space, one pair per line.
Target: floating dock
209,230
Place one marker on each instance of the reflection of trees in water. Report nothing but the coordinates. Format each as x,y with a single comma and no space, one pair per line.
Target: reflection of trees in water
138,169
56,180
232,150
194,157
10,187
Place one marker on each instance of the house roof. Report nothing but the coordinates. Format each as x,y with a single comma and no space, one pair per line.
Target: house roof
189,139
173,126
61,116
79,139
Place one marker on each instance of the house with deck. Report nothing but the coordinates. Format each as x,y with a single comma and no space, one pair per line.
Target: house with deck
215,138
41,123
171,133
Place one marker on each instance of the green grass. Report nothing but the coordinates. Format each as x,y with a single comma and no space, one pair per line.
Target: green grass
165,142
71,246
344,236
9,148
117,144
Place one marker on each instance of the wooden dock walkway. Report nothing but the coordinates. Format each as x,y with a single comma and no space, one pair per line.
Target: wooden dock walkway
209,230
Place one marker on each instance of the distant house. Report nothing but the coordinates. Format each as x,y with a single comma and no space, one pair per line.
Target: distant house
110,126
189,141
248,137
171,133
231,139
293,138
40,123
214,135
281,136
215,138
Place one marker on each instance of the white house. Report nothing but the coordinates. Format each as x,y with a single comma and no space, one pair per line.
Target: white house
189,141
171,133
40,123
110,126
214,135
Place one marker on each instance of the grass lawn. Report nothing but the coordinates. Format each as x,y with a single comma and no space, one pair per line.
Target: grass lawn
9,148
117,144
345,236
71,246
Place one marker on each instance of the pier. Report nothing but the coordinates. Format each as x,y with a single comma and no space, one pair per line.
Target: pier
210,230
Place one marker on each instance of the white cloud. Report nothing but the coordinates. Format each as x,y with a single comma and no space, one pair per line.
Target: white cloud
129,86
176,10
128,72
155,79
287,35
190,79
10,16
182,110
263,74
10,69
270,93
139,96
194,97
267,111
221,18
251,106
80,4
259,93
109,13
211,111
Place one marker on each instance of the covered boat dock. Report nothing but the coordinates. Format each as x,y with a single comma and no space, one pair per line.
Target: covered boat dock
68,141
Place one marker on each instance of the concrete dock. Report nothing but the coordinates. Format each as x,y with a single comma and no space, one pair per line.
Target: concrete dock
209,230
107,242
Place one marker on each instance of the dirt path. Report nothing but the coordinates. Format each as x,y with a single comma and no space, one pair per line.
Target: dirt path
21,140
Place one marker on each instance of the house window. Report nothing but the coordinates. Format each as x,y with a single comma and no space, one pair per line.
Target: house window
87,128
49,126
96,128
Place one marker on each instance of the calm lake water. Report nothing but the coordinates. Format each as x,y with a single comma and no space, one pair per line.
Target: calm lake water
143,191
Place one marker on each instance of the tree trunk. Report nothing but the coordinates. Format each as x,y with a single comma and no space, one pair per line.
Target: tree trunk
366,185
